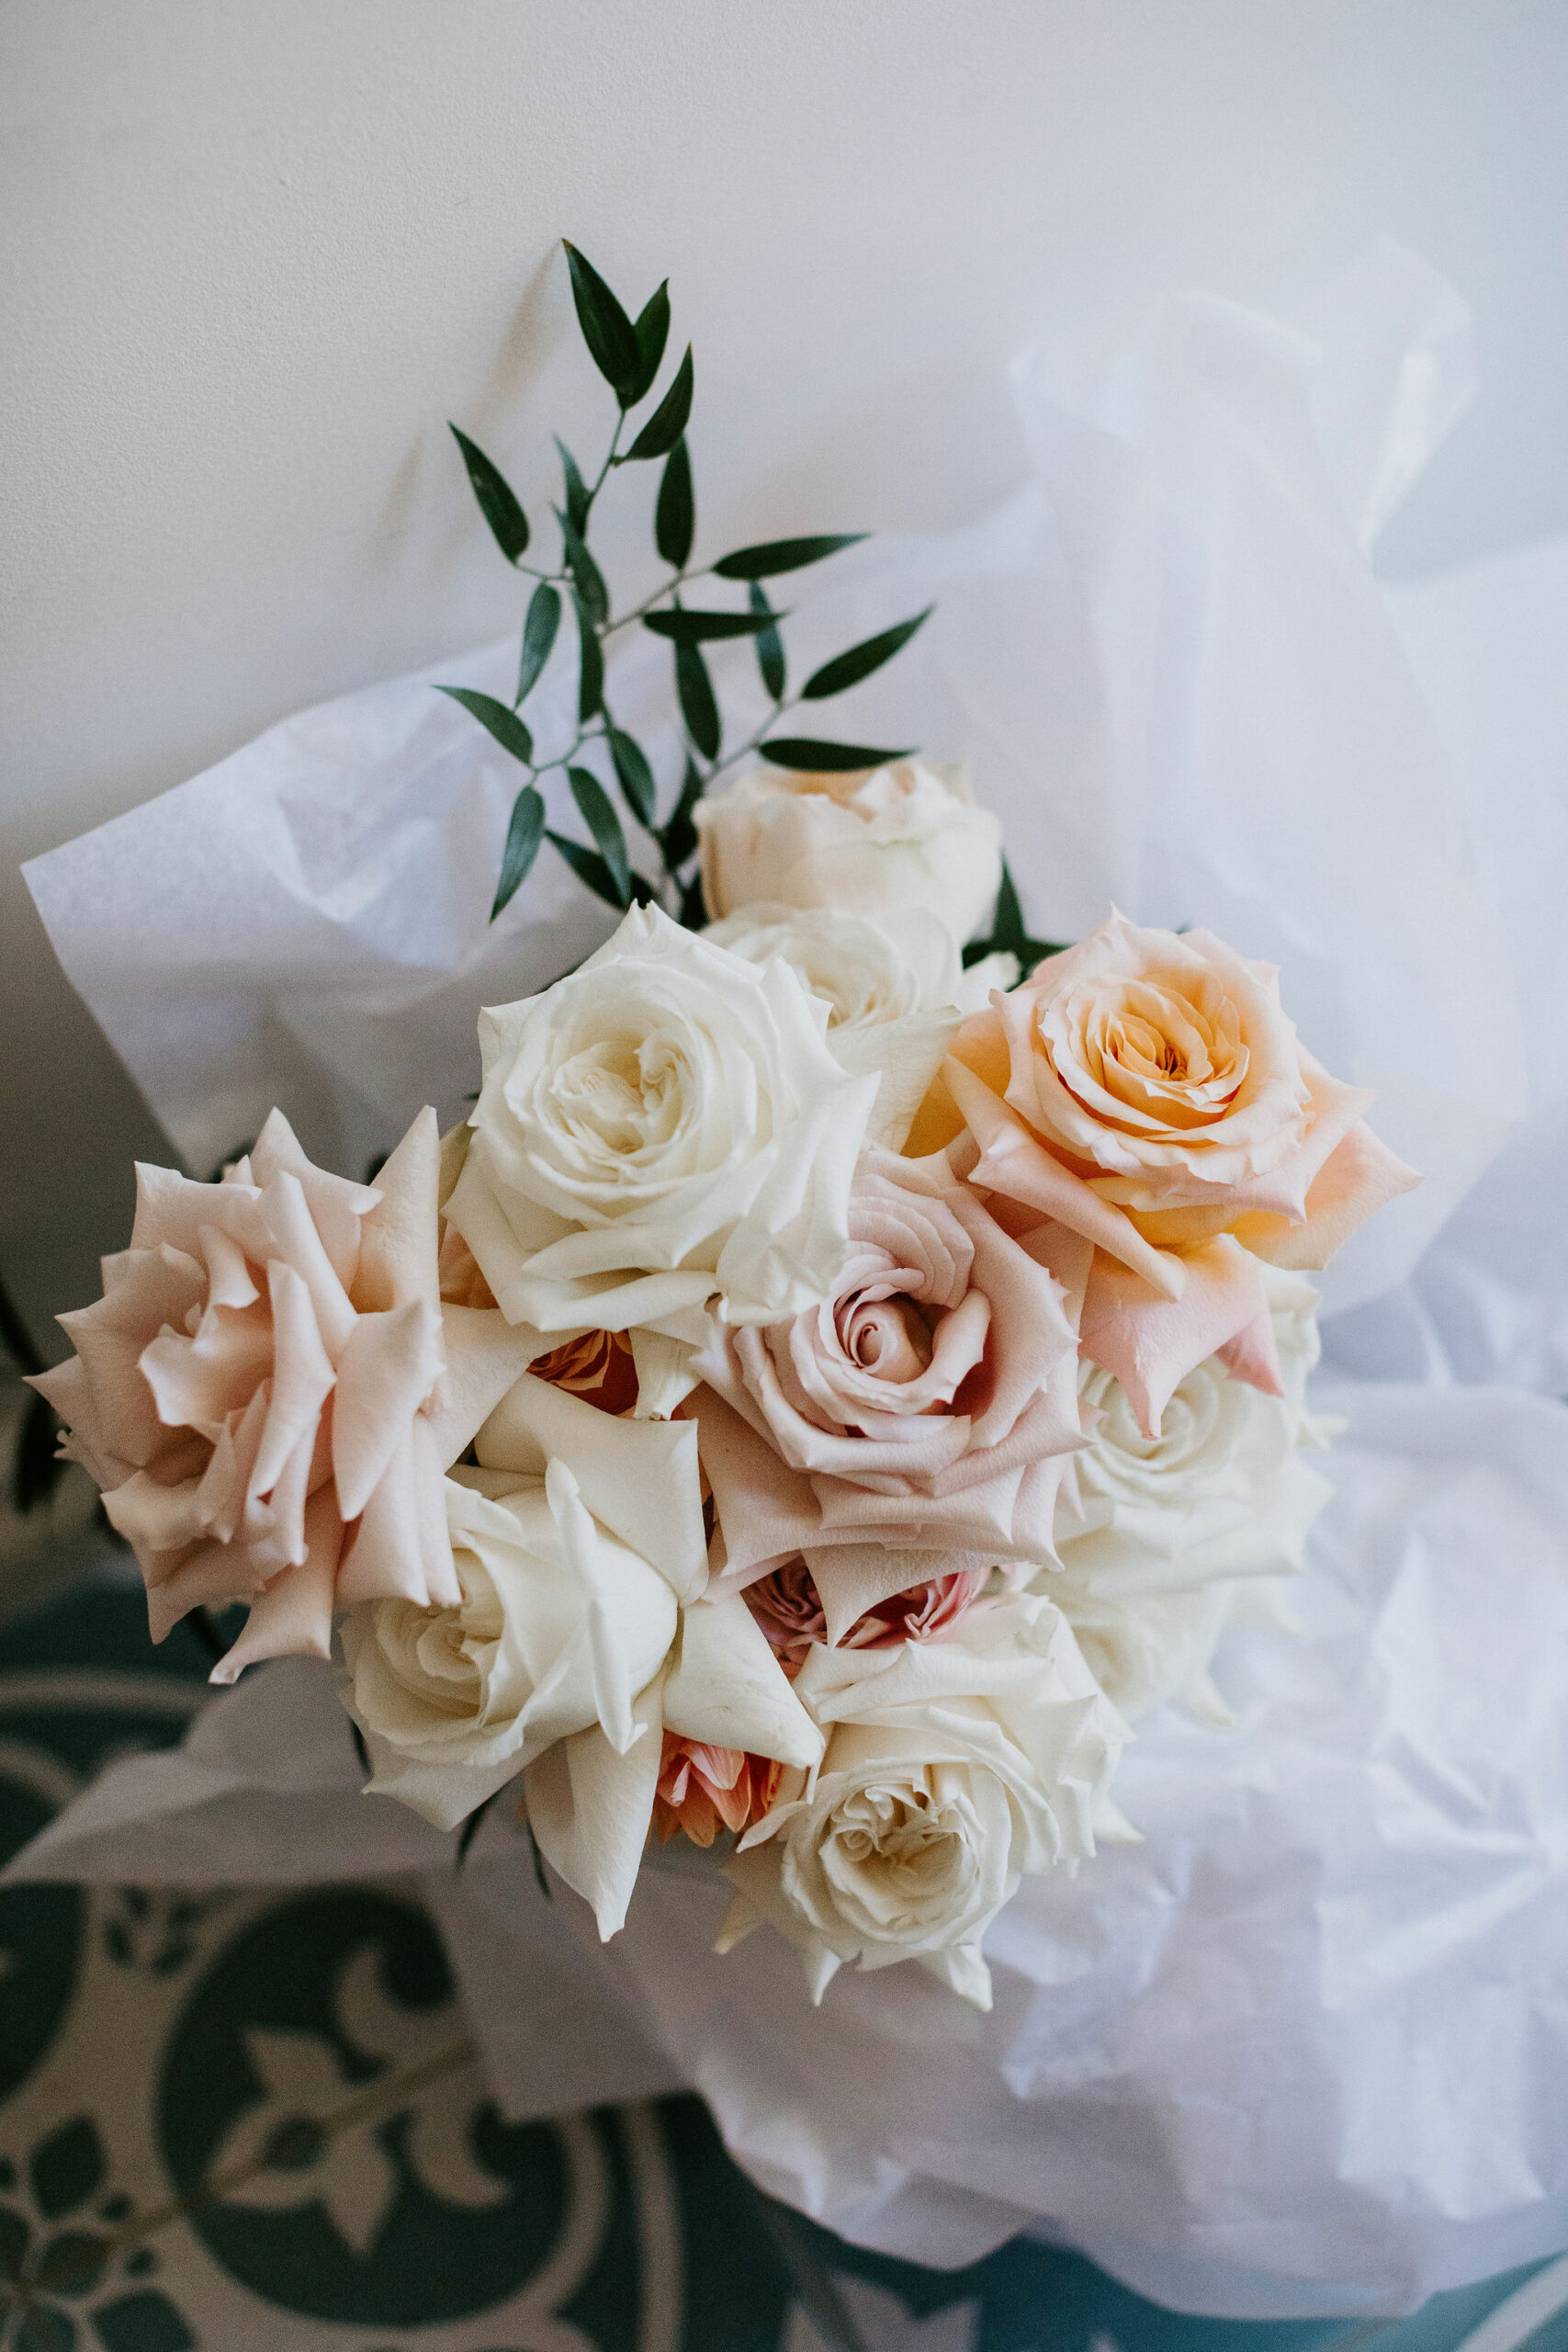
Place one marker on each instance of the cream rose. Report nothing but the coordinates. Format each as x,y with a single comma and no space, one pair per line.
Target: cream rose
269,1389
560,1625
929,1403
577,1636
953,1768
869,972
898,837
663,1127
894,989
1147,1092
1165,1541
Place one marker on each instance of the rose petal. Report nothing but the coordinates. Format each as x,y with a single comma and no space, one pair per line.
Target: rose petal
1151,1343
1013,1161
1359,1177
726,1689
590,1809
292,1617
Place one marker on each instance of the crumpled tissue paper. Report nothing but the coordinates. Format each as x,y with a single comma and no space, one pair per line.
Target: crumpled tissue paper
1304,2050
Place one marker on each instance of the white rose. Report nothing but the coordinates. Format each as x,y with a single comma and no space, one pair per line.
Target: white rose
901,836
581,1636
868,970
895,989
663,1126
955,1766
1173,1538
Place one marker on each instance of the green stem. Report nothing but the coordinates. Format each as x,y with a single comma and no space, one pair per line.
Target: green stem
670,588
604,470
787,701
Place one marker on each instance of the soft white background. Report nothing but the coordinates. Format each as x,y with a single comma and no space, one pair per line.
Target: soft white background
253,253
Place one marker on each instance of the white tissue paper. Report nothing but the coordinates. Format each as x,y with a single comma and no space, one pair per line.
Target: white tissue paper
1305,2048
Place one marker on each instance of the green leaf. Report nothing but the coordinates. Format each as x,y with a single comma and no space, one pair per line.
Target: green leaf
675,514
471,1829
498,501
543,1883
698,707
539,635
693,906
587,578
610,335
847,668
591,669
679,838
1008,931
594,806
635,775
1009,934
652,333
501,721
700,628
770,645
577,499
815,758
773,556
590,870
667,423
523,835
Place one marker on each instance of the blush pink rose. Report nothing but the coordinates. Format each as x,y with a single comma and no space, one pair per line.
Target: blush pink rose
928,1405
1147,1093
262,1393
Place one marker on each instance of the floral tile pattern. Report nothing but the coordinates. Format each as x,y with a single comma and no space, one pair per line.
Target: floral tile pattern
254,2122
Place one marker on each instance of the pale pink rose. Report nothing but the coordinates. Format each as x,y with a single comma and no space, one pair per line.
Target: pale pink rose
262,1391
1147,1092
928,1405
788,1607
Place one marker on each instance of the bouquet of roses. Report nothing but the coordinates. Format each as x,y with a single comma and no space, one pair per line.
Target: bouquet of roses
848,1358
849,1362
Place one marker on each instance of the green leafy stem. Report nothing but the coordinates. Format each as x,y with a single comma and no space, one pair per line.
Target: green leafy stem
629,354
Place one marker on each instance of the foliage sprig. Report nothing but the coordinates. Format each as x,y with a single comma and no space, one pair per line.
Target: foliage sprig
603,763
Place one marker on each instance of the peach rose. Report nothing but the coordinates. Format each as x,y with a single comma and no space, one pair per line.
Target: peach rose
1147,1092
928,1405
262,1392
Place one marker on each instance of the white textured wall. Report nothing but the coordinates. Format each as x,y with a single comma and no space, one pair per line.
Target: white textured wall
253,253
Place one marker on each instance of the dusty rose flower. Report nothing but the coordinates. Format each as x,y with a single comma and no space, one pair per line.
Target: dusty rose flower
1147,1092
788,1607
703,1789
927,1405
260,1391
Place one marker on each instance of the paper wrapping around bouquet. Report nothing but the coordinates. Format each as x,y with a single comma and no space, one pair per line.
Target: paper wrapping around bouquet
1165,658
1304,2049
